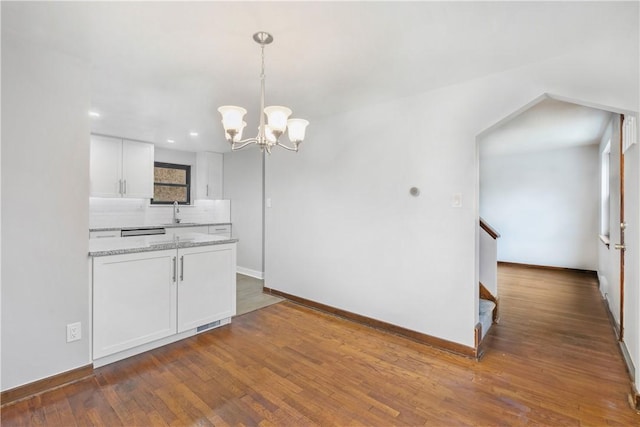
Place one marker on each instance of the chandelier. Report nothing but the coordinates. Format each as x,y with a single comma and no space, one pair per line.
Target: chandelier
277,118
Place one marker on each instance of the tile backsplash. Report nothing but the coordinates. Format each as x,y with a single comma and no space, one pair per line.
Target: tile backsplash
105,212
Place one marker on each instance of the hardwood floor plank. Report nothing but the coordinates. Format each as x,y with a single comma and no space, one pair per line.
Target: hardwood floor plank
553,360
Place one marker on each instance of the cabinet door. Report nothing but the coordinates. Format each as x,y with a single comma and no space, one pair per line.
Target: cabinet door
206,286
105,166
209,175
134,300
137,169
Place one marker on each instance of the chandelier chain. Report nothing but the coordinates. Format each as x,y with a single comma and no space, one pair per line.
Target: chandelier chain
262,74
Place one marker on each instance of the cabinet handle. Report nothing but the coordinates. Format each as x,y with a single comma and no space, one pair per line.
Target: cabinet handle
207,190
182,268
174,269
125,186
119,186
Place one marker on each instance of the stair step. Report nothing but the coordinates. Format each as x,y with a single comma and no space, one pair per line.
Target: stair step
486,308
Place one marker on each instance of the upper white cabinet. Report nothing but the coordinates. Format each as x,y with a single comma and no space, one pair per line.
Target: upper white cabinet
105,166
209,175
137,169
121,168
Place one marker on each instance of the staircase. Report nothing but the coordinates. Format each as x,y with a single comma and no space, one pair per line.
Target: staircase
488,286
486,311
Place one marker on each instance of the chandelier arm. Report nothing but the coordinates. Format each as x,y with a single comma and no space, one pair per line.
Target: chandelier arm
237,145
280,144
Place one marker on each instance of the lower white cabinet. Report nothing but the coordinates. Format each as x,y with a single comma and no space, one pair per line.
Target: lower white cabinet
134,300
182,231
143,297
222,230
206,286
104,234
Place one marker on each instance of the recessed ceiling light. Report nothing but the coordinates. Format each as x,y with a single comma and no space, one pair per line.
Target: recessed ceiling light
170,141
94,114
193,133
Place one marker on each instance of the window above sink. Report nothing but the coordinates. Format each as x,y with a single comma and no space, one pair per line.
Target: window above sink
171,183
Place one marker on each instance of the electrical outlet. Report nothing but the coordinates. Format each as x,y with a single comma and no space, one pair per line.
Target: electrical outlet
74,331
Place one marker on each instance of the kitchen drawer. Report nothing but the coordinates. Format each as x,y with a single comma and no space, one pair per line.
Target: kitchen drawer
220,229
104,234
181,231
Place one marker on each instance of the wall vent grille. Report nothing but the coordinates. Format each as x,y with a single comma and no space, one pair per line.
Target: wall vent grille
208,326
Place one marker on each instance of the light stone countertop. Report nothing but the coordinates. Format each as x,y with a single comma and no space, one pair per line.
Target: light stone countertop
182,224
130,245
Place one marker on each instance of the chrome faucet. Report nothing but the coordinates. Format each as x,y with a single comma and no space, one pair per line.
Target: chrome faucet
176,211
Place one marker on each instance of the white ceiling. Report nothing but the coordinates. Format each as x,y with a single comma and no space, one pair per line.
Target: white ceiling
161,69
548,125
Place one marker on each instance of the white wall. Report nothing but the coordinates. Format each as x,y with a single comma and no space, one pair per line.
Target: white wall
343,229
545,204
243,178
45,211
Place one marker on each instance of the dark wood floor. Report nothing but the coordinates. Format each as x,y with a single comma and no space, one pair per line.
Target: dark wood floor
553,361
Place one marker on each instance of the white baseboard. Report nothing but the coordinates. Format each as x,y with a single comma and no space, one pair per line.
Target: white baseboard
249,272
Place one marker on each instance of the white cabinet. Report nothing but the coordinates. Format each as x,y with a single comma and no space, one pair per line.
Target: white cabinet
209,170
134,300
137,169
144,297
206,287
121,168
181,231
105,167
104,234
223,230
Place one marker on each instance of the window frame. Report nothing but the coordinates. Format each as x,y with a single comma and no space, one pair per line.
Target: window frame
186,168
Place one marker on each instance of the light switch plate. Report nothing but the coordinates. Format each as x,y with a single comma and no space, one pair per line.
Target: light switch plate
456,200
